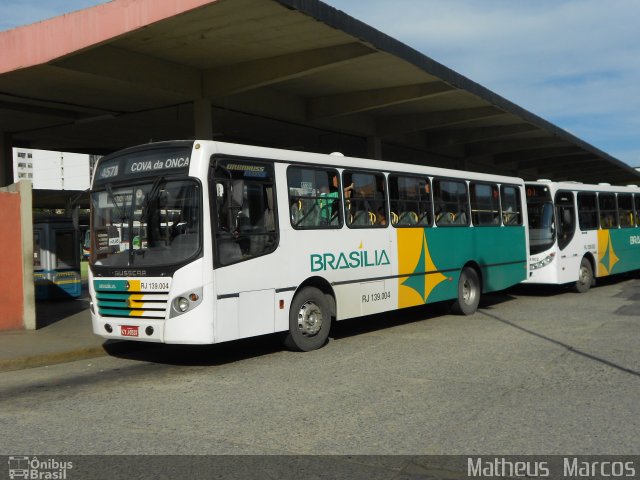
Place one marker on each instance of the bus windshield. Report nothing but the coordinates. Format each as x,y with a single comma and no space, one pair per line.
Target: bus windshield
151,224
542,231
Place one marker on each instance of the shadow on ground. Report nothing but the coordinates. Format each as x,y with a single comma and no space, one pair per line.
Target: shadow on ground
49,312
238,350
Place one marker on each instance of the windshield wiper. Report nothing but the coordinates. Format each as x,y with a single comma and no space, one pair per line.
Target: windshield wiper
144,212
112,195
153,193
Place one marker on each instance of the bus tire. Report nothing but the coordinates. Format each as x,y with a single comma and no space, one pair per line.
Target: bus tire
585,277
309,321
468,293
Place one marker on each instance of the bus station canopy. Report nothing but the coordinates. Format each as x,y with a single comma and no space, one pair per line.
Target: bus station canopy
294,74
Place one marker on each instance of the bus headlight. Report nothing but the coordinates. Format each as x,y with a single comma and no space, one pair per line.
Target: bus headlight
543,263
185,302
182,304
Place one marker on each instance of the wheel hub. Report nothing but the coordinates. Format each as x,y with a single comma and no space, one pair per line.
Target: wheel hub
584,275
309,319
468,293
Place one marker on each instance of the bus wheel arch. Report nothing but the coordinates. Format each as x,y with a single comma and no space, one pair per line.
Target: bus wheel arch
469,290
586,277
325,287
310,315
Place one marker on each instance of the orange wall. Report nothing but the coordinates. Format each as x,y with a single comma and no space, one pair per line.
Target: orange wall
11,295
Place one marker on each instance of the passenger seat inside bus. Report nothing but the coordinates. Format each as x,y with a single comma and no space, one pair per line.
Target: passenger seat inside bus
445,218
363,218
460,218
408,218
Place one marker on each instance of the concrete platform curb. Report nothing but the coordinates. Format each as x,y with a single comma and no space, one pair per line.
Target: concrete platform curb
110,347
42,360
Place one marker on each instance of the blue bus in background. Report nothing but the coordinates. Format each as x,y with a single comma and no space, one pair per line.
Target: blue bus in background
86,244
56,259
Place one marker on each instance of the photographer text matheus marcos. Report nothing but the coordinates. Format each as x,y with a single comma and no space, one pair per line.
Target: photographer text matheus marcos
570,467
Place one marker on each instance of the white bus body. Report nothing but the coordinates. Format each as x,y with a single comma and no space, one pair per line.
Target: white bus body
579,232
359,269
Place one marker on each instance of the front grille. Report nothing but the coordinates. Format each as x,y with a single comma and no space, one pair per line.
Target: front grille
122,298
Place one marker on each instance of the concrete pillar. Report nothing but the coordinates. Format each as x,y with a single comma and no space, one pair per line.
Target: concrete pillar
6,159
202,119
374,148
25,188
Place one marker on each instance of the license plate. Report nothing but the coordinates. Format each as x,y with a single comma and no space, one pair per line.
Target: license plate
128,331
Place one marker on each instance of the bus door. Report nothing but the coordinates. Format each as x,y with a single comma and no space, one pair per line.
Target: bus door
244,222
570,249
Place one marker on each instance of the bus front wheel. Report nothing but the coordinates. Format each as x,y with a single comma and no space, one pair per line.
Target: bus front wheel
309,321
468,292
585,277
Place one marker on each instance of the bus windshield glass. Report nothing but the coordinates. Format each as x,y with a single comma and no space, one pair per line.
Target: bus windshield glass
150,224
542,232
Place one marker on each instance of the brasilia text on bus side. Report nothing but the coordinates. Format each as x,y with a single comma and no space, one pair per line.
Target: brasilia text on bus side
344,260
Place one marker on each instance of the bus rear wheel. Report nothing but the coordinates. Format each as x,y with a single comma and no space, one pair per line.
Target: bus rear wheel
468,293
585,277
309,321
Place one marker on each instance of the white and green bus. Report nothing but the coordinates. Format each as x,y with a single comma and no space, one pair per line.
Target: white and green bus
242,241
578,232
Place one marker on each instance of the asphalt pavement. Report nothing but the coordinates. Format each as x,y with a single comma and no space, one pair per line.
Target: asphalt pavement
534,371
65,334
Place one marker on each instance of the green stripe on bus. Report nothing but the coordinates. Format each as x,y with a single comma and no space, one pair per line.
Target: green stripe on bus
113,296
113,304
112,285
114,312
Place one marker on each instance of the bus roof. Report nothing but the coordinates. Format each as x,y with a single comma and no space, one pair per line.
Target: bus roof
586,187
340,161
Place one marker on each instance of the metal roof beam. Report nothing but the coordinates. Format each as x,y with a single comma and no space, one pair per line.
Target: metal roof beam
452,138
560,163
415,122
39,110
49,108
570,172
593,174
130,67
602,173
241,77
500,147
365,100
532,155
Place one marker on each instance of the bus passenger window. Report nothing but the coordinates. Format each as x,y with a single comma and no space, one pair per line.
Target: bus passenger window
587,211
365,199
485,204
450,202
625,210
244,211
511,211
608,210
636,199
410,201
314,198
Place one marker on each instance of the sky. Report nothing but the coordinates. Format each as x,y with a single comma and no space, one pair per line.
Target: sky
575,63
